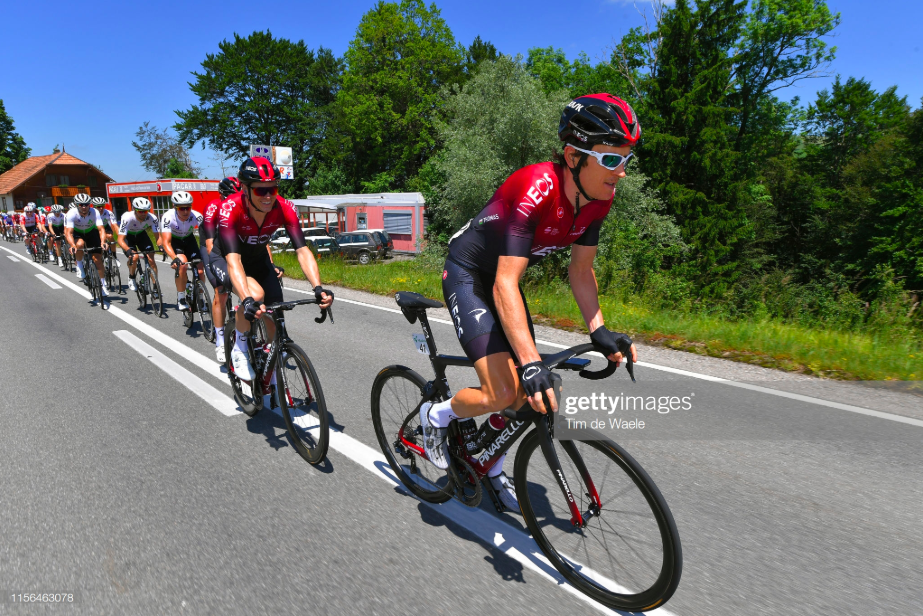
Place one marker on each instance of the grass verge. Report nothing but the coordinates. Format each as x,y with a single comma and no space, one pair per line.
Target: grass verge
772,344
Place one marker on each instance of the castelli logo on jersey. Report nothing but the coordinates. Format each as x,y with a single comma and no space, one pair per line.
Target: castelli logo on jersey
445,274
560,212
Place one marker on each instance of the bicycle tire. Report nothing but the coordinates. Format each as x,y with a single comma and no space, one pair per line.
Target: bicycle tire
396,391
249,395
204,306
301,399
155,293
116,275
537,490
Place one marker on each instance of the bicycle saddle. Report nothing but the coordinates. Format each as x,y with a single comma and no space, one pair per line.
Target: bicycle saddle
407,299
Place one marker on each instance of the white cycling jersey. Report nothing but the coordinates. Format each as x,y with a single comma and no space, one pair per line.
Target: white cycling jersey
82,224
170,223
108,218
132,226
55,220
29,219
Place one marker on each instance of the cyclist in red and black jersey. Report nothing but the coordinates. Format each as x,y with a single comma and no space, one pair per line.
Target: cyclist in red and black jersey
246,221
538,210
226,188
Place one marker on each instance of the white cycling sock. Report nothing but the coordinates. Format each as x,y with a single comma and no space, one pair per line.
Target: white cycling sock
497,468
180,295
219,336
80,266
241,342
440,414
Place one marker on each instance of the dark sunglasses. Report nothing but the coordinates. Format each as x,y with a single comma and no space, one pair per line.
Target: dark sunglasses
184,209
265,191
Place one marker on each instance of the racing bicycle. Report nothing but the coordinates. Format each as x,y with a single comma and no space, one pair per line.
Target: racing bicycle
91,276
297,389
594,512
147,284
111,267
198,299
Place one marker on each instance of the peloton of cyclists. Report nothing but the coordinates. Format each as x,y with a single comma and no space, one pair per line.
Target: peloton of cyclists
177,228
246,221
133,237
539,209
226,188
83,228
54,223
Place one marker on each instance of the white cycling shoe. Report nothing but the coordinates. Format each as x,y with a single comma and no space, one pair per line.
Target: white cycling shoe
221,355
132,285
506,491
241,364
181,303
434,440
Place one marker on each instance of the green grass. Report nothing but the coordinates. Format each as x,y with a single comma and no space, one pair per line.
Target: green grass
824,352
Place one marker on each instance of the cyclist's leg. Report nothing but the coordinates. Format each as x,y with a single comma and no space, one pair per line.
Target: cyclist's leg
91,240
78,256
217,274
180,279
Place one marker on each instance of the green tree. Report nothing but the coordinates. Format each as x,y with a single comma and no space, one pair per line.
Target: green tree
556,72
162,153
485,142
264,90
688,144
479,51
13,148
330,179
401,57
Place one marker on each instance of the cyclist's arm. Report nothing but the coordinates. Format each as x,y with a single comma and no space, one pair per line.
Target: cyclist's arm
237,275
308,265
102,234
511,310
121,241
583,285
69,237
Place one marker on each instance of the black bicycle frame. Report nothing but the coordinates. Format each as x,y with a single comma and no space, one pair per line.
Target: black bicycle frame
517,425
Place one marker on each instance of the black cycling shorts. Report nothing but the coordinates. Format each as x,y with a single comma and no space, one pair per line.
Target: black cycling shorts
469,294
262,271
30,229
90,238
187,244
139,241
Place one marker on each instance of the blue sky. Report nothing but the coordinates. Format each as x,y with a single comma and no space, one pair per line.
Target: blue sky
88,74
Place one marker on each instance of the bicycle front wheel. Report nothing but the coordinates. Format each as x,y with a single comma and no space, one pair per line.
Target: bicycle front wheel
627,556
299,395
156,295
249,394
396,393
204,306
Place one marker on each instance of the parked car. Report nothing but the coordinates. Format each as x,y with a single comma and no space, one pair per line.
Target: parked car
386,242
284,244
324,246
363,246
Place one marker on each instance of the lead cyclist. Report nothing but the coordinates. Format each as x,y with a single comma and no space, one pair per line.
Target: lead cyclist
539,209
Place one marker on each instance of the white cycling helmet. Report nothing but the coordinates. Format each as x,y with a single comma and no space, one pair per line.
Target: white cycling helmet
140,204
98,202
181,198
30,207
82,199
57,209
71,205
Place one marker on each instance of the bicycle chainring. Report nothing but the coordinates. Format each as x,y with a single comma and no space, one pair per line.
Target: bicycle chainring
467,486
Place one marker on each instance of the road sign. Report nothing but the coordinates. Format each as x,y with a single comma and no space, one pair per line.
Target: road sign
283,156
261,150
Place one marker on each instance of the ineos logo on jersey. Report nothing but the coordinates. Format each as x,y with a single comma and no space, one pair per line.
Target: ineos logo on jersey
254,239
480,312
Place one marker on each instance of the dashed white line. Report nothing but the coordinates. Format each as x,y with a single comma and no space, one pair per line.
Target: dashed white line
13,259
218,400
48,281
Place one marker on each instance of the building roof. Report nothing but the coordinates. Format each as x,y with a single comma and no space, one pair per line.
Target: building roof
15,177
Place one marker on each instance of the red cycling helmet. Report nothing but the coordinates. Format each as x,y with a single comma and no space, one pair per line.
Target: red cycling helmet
228,187
599,119
258,169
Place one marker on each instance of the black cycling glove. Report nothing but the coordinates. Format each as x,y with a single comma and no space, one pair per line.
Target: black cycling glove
535,378
176,261
318,290
250,308
279,270
611,342
130,252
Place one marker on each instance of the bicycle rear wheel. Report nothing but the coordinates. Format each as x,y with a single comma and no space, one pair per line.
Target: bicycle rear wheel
116,275
301,399
204,306
396,393
628,554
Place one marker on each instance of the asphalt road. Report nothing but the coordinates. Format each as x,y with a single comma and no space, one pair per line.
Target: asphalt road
123,486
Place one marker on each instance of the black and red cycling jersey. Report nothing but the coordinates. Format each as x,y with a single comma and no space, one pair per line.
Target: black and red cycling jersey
239,233
210,220
529,216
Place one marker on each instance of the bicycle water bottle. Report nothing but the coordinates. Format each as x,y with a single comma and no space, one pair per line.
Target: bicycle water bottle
488,431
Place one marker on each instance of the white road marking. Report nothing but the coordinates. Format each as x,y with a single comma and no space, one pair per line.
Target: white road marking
705,377
13,259
47,281
221,402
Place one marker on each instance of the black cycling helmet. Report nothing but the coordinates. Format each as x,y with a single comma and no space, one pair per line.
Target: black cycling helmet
228,187
595,119
258,169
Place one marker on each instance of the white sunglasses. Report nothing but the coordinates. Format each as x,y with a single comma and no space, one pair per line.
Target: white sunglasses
609,161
